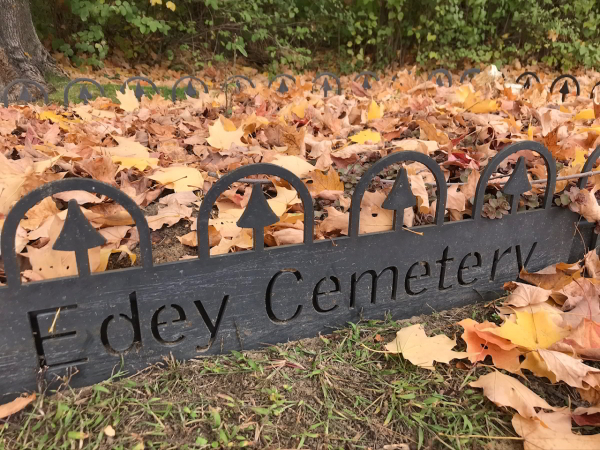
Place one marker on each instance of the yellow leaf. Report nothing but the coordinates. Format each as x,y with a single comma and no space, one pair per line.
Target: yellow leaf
300,109
284,199
56,118
462,93
325,182
171,6
294,164
530,132
139,163
155,2
219,137
105,255
476,104
421,350
366,135
179,178
585,114
531,331
580,157
128,100
564,109
375,111
228,125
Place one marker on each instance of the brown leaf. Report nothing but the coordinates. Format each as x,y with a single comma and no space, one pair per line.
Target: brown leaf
566,368
505,390
526,294
431,133
170,215
18,404
587,416
319,181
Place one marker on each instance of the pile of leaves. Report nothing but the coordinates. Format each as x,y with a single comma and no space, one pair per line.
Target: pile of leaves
548,328
166,156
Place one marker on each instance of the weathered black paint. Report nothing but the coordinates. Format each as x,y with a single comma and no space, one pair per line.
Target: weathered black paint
25,96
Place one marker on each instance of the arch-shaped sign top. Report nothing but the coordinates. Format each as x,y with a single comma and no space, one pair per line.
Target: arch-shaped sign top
190,91
588,167
84,93
469,72
439,81
366,74
282,89
564,90
238,77
139,91
527,76
501,156
9,230
593,89
243,172
326,86
394,158
25,95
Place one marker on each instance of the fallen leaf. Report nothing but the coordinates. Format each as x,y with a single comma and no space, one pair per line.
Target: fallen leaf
18,404
223,138
375,111
505,390
366,136
566,368
109,431
170,215
421,350
179,178
526,294
127,99
294,164
587,416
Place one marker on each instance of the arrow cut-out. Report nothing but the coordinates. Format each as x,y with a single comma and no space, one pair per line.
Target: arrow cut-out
139,92
527,84
84,95
282,87
258,215
400,198
439,82
326,87
78,235
564,90
517,184
25,95
366,84
190,91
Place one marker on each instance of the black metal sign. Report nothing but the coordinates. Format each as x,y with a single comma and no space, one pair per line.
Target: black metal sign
139,91
326,86
282,86
527,76
564,90
84,94
189,90
438,79
367,74
91,325
469,73
237,79
25,95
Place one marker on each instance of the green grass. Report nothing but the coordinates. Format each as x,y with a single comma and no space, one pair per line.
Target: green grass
330,392
59,84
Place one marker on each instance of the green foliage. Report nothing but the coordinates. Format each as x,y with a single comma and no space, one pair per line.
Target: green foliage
358,33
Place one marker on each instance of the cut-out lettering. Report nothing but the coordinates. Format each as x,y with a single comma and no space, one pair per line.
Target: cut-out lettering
410,276
332,296
463,267
269,296
134,336
213,328
497,260
520,258
47,333
160,327
443,262
374,282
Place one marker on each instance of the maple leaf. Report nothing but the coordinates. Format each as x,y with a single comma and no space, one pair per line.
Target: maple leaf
128,100
552,431
170,215
480,344
294,164
553,277
179,178
505,390
366,136
530,330
566,368
325,185
583,340
584,202
222,136
39,213
421,350
375,111
525,294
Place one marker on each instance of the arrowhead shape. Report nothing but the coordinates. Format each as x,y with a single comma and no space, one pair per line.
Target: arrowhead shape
326,86
401,196
238,85
25,95
283,87
190,91
564,90
77,233
84,95
366,84
527,84
518,182
439,82
258,213
139,92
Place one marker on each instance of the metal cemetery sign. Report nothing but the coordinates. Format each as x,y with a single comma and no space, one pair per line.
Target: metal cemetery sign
234,81
92,324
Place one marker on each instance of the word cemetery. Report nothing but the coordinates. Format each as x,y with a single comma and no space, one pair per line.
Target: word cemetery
89,327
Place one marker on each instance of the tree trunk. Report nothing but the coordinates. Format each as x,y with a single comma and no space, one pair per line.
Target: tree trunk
22,55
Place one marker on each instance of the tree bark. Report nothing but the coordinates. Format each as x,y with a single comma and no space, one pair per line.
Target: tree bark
22,55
